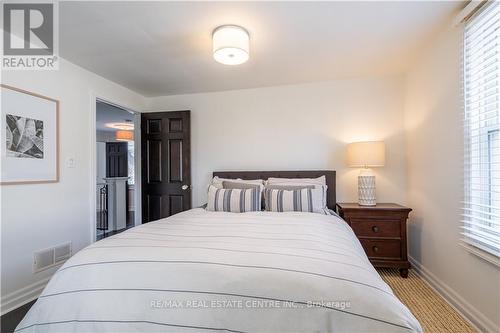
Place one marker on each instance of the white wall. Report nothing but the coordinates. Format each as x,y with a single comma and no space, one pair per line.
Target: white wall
433,121
296,127
105,136
35,217
100,163
100,154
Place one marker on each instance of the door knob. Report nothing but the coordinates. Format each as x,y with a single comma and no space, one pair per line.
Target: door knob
184,187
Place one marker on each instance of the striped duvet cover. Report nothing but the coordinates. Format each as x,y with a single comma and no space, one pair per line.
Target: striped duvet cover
216,271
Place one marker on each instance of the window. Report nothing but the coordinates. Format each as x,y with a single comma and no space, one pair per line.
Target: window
481,215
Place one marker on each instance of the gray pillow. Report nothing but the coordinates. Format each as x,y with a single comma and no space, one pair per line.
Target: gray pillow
237,185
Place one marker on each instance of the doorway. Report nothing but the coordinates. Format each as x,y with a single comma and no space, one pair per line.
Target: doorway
115,159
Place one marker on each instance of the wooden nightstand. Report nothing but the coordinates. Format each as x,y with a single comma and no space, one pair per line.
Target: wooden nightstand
381,229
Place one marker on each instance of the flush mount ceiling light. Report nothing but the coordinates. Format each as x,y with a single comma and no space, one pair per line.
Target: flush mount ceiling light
230,45
129,126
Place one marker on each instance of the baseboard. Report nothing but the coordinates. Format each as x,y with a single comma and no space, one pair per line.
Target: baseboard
22,296
457,302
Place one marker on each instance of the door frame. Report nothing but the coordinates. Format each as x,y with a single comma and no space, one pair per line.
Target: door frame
93,168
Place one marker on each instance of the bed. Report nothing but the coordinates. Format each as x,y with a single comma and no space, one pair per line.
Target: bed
217,271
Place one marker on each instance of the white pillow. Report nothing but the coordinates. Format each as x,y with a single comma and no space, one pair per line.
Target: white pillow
297,181
319,183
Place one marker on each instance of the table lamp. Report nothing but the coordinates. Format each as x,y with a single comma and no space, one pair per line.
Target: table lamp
366,155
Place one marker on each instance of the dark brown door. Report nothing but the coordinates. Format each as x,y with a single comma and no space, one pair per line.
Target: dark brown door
166,164
116,159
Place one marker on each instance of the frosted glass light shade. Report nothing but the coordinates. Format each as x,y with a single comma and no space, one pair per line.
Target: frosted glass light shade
231,45
124,136
121,126
366,154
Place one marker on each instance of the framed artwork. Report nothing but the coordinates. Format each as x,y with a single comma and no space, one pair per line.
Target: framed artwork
29,134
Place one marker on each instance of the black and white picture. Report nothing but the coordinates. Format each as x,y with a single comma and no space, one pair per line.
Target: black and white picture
29,137
24,137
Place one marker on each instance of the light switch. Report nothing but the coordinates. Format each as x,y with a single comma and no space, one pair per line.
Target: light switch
71,162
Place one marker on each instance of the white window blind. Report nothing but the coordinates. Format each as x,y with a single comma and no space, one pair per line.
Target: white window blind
481,210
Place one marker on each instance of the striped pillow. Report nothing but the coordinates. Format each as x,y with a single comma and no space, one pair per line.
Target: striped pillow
300,186
234,200
302,200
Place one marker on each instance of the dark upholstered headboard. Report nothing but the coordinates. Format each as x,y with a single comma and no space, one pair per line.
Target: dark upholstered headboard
329,174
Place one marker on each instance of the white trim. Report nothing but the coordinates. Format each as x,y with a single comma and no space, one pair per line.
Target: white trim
467,11
479,321
94,98
494,260
138,170
93,168
22,296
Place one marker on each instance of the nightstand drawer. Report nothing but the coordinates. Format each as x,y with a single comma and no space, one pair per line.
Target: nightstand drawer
376,227
386,249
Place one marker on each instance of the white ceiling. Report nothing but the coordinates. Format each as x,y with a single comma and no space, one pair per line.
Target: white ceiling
106,113
164,48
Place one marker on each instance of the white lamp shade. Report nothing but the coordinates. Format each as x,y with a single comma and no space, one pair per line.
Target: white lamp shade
231,45
366,154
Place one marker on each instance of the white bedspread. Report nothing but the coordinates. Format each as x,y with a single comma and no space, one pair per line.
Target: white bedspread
199,270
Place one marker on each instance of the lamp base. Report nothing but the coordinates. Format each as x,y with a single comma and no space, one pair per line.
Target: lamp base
366,188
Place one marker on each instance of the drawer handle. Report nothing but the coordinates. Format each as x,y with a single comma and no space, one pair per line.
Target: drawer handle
375,228
375,248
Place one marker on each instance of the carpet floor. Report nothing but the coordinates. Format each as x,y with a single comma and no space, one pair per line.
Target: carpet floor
432,311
